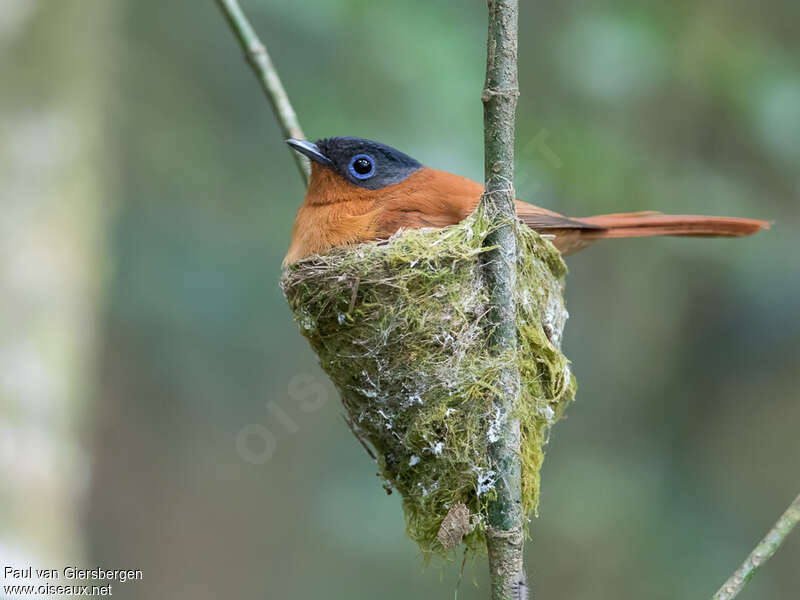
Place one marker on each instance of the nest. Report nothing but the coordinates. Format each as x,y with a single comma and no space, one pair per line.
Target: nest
401,328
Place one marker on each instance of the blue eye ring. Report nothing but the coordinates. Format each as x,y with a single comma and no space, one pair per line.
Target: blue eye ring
365,175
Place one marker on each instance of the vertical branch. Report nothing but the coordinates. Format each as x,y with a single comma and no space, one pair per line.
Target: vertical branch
504,537
259,60
761,554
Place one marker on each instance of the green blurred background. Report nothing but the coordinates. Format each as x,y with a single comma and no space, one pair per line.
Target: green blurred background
159,409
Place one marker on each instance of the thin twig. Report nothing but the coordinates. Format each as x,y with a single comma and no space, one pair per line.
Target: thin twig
504,535
359,437
259,60
762,553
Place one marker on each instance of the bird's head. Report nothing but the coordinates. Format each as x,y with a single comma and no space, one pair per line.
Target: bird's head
363,163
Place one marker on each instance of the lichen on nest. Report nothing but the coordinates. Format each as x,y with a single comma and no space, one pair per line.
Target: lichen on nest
400,327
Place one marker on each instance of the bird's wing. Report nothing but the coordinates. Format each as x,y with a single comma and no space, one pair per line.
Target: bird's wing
536,217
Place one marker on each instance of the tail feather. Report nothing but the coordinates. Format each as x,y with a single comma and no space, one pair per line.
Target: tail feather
573,234
641,225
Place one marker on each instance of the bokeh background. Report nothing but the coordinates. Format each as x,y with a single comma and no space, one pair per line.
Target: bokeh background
159,409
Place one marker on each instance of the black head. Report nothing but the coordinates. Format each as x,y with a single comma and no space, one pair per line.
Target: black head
362,162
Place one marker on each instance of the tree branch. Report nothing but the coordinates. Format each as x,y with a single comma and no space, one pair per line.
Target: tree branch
762,553
504,536
258,57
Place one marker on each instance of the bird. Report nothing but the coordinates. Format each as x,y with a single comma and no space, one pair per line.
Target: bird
361,191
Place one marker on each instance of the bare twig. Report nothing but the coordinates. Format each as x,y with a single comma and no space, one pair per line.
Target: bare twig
504,536
761,554
259,60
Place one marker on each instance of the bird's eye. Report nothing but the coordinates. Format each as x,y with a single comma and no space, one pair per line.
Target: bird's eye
362,166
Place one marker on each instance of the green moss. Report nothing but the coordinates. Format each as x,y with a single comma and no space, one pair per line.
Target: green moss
399,327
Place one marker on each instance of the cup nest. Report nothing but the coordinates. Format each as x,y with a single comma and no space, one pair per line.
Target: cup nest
400,327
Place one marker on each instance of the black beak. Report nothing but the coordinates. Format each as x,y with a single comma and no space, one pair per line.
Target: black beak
311,150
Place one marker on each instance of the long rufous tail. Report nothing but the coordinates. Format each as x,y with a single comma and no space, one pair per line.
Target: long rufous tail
571,234
625,225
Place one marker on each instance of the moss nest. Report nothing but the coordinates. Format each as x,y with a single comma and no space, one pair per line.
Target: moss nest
400,327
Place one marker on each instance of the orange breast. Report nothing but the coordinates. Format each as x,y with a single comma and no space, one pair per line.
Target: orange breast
337,213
